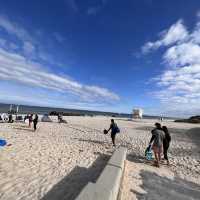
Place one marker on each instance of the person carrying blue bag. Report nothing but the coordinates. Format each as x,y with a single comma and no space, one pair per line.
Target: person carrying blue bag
114,130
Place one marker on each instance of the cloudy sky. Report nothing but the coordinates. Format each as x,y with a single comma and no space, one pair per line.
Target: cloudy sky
107,55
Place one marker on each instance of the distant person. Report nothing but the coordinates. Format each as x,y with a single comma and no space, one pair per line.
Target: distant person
60,119
10,118
25,117
157,142
166,143
30,119
114,130
35,121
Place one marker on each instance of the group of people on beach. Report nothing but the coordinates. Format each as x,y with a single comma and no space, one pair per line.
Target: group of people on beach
159,141
32,120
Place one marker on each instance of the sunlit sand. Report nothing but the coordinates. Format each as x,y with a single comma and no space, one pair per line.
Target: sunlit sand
58,160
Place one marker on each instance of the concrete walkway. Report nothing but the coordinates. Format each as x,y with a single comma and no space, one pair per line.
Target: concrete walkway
108,184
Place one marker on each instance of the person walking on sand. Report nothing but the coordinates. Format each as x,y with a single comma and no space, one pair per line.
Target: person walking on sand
166,143
30,119
35,121
114,130
157,140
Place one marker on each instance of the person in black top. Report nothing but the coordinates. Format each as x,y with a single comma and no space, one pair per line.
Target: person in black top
35,121
113,128
166,143
10,119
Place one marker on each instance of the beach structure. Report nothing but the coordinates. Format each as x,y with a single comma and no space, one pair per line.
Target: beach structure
137,113
46,118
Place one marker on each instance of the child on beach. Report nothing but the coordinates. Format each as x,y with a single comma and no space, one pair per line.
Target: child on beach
114,130
166,143
157,140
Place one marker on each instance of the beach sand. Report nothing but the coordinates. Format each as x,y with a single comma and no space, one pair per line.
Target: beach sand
58,160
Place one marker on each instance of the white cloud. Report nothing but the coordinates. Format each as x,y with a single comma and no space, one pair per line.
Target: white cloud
176,33
198,14
183,54
179,84
28,48
12,46
14,29
2,42
20,33
14,67
38,99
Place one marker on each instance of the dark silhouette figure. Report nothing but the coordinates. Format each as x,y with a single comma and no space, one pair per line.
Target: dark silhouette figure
35,121
166,143
114,130
10,118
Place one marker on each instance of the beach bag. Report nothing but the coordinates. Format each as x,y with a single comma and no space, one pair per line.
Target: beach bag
117,130
3,142
148,153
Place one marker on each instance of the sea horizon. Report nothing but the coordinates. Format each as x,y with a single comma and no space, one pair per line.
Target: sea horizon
25,109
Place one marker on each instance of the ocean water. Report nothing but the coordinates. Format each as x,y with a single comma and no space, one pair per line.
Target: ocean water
25,109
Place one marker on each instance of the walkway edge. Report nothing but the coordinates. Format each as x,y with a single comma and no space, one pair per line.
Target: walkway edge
108,184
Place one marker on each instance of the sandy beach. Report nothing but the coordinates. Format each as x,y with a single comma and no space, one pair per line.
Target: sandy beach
58,160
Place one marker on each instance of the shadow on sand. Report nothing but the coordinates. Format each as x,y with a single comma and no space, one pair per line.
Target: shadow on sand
191,135
162,188
93,141
132,157
71,185
194,135
24,129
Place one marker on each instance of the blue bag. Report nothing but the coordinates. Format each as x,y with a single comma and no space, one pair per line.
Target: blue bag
148,153
3,142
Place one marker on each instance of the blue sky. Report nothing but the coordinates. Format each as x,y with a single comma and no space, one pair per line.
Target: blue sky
108,55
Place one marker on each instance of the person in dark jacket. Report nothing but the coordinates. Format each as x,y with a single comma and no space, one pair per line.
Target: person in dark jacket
35,121
113,128
166,143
